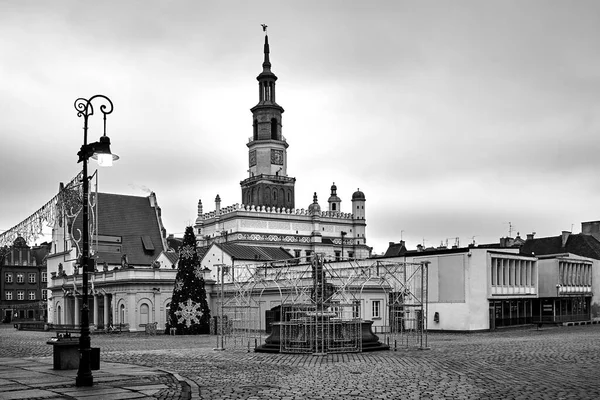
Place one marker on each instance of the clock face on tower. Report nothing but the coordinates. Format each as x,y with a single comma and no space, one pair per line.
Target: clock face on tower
276,157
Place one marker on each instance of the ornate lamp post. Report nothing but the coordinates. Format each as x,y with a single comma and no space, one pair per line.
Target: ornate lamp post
101,151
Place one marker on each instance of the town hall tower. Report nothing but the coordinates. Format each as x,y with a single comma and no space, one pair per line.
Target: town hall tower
267,184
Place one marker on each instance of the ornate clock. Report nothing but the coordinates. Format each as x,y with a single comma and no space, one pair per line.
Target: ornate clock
276,157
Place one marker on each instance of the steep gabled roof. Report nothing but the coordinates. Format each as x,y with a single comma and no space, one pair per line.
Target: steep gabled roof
132,219
580,244
263,253
395,250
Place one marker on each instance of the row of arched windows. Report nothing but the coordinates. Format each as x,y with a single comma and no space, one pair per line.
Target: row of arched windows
277,197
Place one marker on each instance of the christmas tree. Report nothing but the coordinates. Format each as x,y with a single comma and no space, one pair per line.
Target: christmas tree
189,312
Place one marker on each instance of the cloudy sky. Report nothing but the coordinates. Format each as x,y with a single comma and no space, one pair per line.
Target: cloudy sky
454,118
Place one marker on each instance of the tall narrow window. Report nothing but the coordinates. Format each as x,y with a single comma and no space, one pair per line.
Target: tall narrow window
376,308
255,130
144,314
274,129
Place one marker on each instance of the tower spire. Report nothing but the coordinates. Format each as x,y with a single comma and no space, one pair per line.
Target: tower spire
267,63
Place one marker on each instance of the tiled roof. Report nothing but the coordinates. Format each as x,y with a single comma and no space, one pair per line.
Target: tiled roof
580,244
174,242
131,218
241,252
201,251
395,249
172,256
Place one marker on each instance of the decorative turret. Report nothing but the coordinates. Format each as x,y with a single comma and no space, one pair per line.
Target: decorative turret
358,213
334,201
268,183
217,205
314,208
358,204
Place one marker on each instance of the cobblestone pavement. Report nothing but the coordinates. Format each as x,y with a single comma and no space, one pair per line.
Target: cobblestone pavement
551,363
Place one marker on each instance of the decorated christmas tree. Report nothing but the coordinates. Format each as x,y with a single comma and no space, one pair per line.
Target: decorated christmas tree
189,312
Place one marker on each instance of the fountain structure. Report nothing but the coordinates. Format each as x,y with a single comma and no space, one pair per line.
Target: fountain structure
328,323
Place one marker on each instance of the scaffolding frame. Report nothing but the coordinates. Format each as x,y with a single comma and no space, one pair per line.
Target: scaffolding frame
321,304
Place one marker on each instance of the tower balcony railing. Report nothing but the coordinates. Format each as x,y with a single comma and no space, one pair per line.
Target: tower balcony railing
283,139
279,178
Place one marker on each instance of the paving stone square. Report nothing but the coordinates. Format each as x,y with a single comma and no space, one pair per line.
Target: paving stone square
551,363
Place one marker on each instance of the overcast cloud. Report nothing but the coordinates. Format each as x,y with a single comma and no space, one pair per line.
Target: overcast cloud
454,118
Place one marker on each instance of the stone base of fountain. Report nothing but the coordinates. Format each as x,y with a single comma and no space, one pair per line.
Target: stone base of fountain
368,340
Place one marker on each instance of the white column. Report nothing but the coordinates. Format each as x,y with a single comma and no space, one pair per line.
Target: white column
96,321
106,310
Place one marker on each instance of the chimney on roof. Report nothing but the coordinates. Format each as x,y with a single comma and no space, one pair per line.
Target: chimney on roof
591,228
530,236
565,237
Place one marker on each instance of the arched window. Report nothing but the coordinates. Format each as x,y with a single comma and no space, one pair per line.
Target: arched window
274,129
122,314
59,316
255,130
167,308
333,207
144,314
274,196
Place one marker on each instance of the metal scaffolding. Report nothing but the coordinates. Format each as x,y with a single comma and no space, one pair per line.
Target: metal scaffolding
321,305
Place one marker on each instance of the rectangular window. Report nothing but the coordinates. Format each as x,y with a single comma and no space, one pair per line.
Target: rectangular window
8,277
31,277
337,255
31,295
376,309
20,295
308,253
44,294
8,295
351,255
44,277
20,277
356,309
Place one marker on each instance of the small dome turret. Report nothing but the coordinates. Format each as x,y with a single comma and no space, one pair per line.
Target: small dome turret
334,201
358,195
314,208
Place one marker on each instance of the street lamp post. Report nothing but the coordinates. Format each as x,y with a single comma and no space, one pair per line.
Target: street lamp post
101,151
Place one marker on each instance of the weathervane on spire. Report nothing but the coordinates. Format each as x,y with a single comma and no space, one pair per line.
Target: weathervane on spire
264,26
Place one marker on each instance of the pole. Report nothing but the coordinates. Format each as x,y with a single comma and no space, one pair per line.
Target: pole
222,304
84,373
